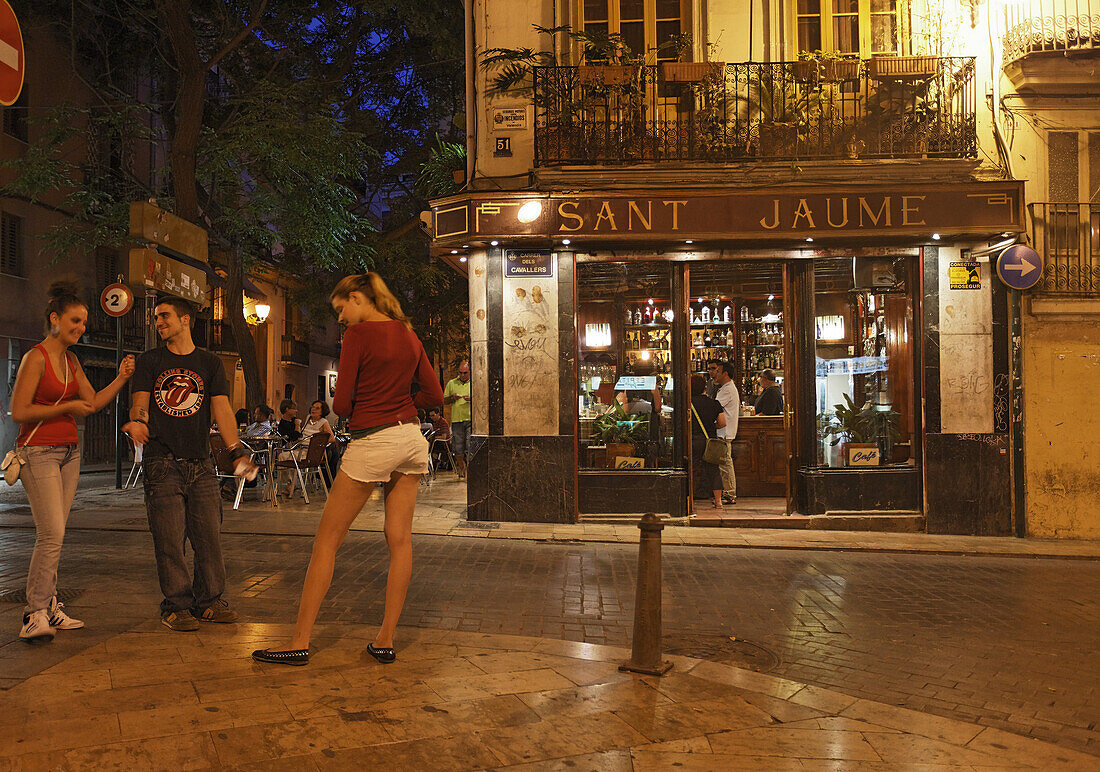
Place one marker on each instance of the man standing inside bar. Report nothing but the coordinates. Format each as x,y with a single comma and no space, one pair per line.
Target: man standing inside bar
457,395
730,400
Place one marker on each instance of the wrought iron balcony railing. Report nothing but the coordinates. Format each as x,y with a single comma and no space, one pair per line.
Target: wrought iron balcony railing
295,351
896,107
1035,26
1068,238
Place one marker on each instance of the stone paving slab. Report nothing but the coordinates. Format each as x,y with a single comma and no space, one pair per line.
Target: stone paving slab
441,510
460,701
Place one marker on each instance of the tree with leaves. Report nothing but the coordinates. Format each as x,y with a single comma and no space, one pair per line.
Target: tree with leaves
284,124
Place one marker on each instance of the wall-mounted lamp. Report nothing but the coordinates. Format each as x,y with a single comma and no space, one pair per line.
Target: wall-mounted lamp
259,314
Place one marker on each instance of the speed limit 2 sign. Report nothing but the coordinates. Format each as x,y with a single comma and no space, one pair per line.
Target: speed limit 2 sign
116,300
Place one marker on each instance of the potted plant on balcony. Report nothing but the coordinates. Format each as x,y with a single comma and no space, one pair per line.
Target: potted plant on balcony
619,432
892,67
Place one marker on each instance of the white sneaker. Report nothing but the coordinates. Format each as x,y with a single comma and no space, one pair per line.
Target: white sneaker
59,619
36,627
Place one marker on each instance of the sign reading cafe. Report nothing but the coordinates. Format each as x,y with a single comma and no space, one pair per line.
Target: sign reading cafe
984,206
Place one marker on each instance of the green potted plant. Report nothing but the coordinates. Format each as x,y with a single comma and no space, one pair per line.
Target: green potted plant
619,432
851,428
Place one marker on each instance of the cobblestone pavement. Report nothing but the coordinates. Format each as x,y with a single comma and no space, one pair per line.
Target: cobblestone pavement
1004,642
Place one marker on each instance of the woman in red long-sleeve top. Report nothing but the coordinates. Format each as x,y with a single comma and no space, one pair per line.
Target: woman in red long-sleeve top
381,360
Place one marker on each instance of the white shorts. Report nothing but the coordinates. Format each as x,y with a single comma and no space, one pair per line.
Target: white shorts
377,456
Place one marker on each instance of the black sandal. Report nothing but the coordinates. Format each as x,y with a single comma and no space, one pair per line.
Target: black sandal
385,656
296,657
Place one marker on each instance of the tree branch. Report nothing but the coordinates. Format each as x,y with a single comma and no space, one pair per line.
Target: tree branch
240,36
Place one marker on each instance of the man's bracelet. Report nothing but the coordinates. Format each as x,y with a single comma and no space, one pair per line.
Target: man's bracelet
140,421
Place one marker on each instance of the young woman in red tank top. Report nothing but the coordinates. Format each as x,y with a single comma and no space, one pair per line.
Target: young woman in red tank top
380,360
51,392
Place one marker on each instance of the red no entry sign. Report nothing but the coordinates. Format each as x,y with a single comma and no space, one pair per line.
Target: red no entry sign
12,62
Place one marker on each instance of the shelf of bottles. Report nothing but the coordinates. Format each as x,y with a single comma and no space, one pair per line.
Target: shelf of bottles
647,337
713,331
761,348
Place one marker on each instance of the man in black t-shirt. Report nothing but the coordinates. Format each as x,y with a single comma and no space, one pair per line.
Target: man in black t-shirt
770,401
177,390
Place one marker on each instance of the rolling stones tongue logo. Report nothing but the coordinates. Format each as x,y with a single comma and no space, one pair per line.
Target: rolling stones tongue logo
179,392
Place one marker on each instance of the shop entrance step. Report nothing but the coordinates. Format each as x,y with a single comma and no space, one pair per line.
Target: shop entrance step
887,521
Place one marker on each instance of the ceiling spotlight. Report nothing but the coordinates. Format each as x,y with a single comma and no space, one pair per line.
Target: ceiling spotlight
700,300
462,259
771,297
688,241
809,238
566,242
935,237
650,301
465,246
454,251
493,243
529,212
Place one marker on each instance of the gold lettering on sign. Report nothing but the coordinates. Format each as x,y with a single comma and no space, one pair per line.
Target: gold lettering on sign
803,211
843,211
610,216
633,209
775,214
569,216
906,210
675,212
882,210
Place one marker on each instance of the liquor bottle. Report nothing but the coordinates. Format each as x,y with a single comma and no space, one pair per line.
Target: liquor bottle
727,314
729,335
691,315
637,316
715,314
744,313
647,316
706,338
705,314
629,317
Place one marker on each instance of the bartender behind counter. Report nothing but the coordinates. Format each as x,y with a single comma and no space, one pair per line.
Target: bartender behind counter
770,401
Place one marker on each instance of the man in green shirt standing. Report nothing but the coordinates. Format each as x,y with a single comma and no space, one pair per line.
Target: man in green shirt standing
457,395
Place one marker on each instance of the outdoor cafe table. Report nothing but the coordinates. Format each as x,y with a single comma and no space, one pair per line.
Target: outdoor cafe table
270,444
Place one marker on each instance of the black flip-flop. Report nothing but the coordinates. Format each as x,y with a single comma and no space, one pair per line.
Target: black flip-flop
385,656
293,657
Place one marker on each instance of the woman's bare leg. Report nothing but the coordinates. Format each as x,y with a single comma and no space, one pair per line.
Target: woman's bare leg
344,503
400,503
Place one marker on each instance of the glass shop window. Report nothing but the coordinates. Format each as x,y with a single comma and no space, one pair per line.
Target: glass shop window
625,389
865,378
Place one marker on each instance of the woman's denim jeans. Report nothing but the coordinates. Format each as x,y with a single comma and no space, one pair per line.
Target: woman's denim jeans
183,502
49,478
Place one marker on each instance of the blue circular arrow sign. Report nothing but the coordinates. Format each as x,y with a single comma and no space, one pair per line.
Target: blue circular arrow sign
1020,267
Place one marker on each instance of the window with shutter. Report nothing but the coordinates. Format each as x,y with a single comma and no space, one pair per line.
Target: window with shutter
11,244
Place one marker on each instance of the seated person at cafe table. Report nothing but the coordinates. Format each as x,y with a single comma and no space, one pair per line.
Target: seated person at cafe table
262,424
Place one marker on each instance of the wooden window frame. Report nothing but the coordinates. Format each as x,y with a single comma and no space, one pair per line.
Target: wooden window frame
827,16
649,22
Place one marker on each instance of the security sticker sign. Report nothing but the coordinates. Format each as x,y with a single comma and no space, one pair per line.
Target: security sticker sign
965,276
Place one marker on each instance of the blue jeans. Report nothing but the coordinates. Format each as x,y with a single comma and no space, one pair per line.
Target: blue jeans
460,437
183,502
49,478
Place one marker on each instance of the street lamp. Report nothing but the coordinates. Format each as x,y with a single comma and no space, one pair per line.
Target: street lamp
259,314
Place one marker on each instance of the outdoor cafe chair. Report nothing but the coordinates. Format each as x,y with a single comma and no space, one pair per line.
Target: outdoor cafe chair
312,463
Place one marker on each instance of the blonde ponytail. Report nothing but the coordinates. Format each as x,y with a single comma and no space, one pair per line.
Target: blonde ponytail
375,290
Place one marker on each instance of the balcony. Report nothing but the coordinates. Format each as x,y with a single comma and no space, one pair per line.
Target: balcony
1068,238
1045,26
1051,46
295,351
899,107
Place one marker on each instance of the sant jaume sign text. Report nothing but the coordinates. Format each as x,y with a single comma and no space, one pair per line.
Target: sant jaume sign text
977,207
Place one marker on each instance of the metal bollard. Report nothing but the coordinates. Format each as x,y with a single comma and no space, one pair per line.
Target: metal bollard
645,656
